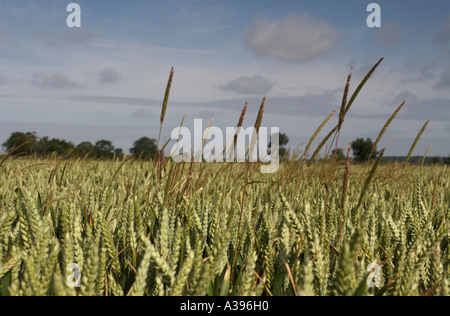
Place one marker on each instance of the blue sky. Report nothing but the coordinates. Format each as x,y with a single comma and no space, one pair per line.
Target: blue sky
107,79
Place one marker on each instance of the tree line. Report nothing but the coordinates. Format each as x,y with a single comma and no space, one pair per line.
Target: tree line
363,151
145,147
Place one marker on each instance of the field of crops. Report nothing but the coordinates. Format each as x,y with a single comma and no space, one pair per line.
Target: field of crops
160,228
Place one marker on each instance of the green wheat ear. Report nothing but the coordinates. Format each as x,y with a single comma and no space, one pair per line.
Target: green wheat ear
369,179
415,142
166,97
319,129
344,113
383,130
165,102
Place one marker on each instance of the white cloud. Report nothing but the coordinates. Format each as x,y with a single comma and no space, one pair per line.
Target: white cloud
420,107
251,85
296,37
108,75
54,80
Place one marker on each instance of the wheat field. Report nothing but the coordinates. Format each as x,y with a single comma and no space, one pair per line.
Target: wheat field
208,230
317,227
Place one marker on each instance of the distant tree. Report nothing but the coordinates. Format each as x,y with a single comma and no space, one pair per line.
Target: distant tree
48,146
362,149
84,148
18,138
283,140
339,154
436,160
104,149
118,153
42,146
447,160
144,148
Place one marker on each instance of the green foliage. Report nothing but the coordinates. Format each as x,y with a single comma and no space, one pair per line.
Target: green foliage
118,153
144,148
18,138
283,140
104,149
83,149
61,147
447,160
23,144
340,156
362,149
436,160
